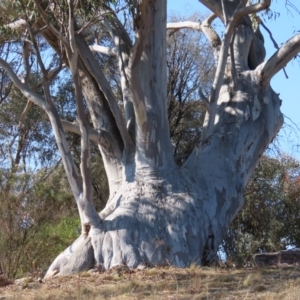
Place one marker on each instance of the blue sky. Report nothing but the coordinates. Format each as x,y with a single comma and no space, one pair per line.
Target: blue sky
286,24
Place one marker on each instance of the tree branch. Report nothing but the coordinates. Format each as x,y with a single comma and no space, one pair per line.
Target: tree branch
85,200
232,59
251,9
50,26
279,59
100,137
26,91
104,50
184,24
204,26
74,127
48,106
123,45
102,117
204,99
16,24
233,20
24,113
26,55
225,16
272,39
210,33
51,74
91,65
240,12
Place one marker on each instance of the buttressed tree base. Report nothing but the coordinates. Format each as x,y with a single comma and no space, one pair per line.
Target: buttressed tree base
158,212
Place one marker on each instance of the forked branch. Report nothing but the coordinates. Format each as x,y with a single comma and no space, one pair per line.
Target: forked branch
239,13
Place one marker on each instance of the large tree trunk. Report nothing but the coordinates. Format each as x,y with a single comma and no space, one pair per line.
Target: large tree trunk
165,214
180,216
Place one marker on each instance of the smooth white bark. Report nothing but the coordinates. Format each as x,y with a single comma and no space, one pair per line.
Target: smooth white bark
104,50
159,213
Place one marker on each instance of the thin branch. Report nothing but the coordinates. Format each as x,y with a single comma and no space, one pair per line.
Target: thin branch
233,68
37,52
24,113
71,30
289,3
224,13
219,76
49,108
115,26
100,137
293,123
48,174
51,75
9,146
204,99
27,92
89,23
273,40
89,216
26,55
123,44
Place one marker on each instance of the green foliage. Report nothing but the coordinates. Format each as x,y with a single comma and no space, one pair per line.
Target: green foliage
34,211
269,220
52,237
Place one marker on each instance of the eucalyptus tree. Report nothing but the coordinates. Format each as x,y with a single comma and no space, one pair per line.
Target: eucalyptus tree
157,212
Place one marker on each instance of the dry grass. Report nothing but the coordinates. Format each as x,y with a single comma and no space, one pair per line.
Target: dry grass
166,283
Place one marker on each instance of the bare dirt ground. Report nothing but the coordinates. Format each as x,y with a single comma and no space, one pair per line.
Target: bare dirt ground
164,283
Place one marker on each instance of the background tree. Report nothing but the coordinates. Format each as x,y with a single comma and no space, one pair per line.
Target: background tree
35,198
157,212
268,221
189,61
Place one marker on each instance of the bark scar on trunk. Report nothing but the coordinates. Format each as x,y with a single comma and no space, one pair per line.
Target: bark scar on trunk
86,229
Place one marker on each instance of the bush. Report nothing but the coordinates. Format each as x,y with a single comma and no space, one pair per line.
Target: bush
37,221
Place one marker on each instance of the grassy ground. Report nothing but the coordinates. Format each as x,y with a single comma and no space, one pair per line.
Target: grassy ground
165,283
